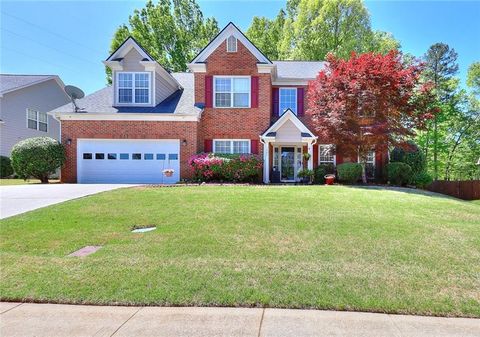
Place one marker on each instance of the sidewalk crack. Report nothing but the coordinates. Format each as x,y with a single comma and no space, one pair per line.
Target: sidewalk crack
261,322
392,320
4,312
125,322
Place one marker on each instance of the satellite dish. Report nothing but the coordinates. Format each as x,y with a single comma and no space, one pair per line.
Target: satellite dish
74,93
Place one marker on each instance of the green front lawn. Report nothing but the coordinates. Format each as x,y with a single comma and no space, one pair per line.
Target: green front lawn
288,246
7,182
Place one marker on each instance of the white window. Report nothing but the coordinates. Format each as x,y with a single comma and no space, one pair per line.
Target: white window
37,120
326,154
370,164
133,87
232,92
287,100
232,146
232,44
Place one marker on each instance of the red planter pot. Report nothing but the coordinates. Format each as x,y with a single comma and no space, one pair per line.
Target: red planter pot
329,179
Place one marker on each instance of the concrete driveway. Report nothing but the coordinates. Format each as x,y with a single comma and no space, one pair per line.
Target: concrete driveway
19,199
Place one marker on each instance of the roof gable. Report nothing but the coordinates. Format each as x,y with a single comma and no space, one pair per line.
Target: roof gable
125,47
12,82
225,33
288,115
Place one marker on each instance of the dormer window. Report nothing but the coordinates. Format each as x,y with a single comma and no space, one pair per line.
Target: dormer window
133,88
232,44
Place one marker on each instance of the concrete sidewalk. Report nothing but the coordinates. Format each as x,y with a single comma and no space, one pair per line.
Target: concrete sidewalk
17,199
78,320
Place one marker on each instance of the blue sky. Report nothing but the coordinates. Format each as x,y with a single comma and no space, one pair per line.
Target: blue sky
71,38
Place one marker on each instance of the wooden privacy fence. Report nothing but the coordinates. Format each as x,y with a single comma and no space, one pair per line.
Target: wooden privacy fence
466,190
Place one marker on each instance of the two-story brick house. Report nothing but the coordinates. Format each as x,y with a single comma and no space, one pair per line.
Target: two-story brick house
233,100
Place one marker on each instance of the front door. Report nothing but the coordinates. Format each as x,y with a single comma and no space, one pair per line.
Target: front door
287,165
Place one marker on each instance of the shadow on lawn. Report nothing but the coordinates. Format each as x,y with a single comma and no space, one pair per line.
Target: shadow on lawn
404,190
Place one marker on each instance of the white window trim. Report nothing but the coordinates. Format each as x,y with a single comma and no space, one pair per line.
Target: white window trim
279,100
37,120
320,162
236,44
231,93
368,162
231,144
117,87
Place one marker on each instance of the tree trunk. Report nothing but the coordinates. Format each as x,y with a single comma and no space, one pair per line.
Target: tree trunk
435,148
427,143
452,152
364,173
44,180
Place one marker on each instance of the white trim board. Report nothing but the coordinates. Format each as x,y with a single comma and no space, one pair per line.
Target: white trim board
288,115
129,117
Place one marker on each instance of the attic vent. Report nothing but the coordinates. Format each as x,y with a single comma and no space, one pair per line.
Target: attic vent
232,44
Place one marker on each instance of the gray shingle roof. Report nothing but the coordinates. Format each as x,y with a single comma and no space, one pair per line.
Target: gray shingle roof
299,69
10,82
101,101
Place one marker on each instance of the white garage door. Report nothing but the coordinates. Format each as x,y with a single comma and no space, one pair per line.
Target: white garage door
127,160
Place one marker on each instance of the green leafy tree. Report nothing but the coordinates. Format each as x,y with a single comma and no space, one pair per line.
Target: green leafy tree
441,67
473,77
333,26
462,139
172,31
382,42
267,34
458,132
309,29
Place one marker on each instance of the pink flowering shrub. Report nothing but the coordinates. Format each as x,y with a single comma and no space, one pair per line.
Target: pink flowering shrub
226,167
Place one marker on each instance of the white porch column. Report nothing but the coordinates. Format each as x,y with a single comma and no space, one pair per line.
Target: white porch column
266,162
310,152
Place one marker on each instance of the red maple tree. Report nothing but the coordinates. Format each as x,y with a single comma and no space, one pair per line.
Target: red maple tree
370,101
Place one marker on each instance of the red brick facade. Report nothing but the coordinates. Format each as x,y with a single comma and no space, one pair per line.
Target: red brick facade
234,123
215,123
127,130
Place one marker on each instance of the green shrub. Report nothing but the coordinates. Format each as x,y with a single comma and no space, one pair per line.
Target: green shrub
399,173
321,171
37,157
422,179
6,169
306,175
349,172
226,168
411,156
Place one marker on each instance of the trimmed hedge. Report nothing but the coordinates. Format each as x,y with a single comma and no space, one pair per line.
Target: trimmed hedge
321,171
399,173
422,179
413,157
226,168
6,169
37,157
349,172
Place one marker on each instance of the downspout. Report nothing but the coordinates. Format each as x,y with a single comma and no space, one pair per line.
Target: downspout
59,138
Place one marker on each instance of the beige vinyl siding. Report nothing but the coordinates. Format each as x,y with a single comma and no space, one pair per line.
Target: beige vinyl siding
160,88
288,132
131,61
163,89
42,97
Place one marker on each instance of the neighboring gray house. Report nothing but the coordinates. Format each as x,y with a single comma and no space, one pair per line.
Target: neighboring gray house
24,103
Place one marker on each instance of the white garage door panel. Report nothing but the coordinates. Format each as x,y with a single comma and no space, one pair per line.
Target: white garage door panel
128,170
